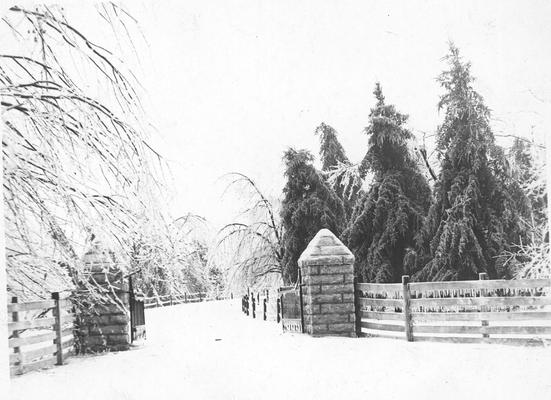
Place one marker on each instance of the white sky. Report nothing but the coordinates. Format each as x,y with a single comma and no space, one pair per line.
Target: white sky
231,84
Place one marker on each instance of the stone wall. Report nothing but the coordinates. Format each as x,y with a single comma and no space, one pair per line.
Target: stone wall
327,269
106,326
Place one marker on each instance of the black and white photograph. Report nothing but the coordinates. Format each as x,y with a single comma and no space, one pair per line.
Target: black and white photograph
275,199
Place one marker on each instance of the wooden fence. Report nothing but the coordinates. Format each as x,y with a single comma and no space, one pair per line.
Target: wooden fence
40,333
483,311
173,299
261,305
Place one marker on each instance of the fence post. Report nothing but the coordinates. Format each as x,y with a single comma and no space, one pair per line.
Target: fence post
484,276
254,315
281,309
358,309
301,301
264,314
132,308
57,327
15,318
278,310
407,309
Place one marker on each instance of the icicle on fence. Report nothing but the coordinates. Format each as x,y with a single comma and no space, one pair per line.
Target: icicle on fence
492,311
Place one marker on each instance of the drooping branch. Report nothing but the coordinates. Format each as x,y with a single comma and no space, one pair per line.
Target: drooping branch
73,160
254,244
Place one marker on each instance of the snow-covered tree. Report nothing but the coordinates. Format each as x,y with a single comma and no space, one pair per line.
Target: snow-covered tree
388,216
331,151
309,204
171,257
473,218
250,249
75,154
529,258
529,174
333,163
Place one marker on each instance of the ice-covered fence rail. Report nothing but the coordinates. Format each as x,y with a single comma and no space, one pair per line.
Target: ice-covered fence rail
173,299
39,342
492,311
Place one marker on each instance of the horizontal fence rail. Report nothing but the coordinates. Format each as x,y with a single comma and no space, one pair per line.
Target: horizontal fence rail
173,299
40,333
482,311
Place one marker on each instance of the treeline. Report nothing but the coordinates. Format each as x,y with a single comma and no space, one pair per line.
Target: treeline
484,206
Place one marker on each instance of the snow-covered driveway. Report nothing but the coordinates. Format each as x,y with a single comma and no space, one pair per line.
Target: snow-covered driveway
213,351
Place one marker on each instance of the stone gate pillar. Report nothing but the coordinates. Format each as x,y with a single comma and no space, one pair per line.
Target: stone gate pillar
327,268
105,327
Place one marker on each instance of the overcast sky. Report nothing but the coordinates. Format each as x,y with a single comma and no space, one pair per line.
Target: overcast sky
231,84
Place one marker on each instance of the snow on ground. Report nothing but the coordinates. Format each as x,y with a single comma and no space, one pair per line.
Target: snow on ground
212,351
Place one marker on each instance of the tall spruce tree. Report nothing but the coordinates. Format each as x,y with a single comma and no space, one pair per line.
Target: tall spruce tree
387,217
309,204
332,155
473,218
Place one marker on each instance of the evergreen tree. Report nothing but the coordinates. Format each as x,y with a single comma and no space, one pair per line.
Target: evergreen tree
473,218
331,151
387,217
332,156
309,204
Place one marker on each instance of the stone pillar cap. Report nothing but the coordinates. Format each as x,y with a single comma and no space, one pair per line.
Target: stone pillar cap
325,248
97,252
100,259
